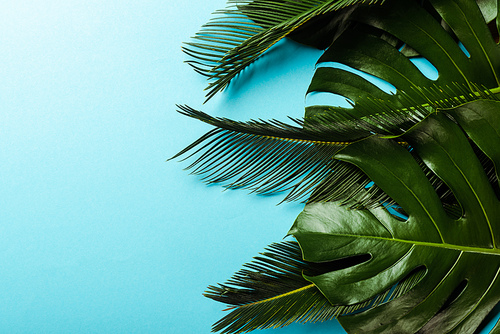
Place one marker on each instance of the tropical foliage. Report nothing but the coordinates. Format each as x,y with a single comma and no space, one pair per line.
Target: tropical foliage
400,232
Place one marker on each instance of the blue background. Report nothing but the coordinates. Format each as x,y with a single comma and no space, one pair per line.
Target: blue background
97,232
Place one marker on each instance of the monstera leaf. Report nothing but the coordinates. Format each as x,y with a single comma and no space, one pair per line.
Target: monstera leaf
367,50
461,256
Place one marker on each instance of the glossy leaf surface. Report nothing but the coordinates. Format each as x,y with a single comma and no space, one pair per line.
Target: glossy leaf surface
370,48
461,256
271,292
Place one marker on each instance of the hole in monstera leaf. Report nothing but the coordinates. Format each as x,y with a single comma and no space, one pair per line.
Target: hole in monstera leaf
454,295
425,67
450,203
380,83
407,50
464,50
396,291
494,30
328,99
338,264
488,167
489,321
397,212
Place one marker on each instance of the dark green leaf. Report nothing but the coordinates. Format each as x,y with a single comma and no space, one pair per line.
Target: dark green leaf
271,292
272,156
367,49
246,29
461,256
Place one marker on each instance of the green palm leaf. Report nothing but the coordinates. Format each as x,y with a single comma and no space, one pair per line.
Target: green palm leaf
271,156
461,256
241,33
432,148
271,291
367,48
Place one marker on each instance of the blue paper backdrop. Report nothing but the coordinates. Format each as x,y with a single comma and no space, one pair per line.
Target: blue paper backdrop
98,234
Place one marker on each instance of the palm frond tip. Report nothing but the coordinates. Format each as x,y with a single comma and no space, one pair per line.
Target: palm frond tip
270,156
267,157
242,32
271,292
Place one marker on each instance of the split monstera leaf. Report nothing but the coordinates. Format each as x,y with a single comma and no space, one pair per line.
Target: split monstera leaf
460,256
401,228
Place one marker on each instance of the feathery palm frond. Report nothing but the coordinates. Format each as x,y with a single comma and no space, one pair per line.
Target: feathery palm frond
272,156
269,157
246,29
271,292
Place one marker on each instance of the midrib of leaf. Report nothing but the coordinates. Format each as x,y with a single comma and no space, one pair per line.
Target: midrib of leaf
337,143
461,248
341,143
283,295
